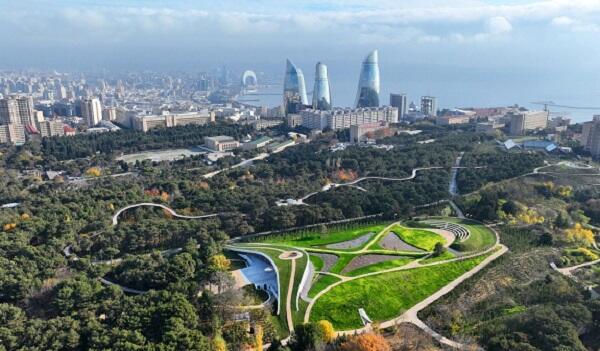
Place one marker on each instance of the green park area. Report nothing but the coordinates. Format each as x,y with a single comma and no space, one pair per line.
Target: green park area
384,268
386,295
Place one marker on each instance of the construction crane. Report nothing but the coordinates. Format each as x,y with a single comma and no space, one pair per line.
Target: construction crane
548,104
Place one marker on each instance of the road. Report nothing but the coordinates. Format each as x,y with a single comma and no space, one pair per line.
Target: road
115,218
241,164
353,183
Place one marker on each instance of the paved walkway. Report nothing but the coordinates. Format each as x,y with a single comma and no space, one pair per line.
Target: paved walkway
115,218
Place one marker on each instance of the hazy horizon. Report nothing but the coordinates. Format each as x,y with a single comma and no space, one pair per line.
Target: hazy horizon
470,53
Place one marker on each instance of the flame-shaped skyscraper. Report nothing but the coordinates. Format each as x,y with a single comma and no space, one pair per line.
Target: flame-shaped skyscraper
321,93
368,83
294,89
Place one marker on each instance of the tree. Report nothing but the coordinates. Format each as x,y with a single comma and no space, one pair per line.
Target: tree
579,234
366,342
307,337
438,249
219,263
219,344
258,337
326,330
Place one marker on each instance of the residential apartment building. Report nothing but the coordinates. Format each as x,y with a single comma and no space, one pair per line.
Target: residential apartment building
91,111
51,128
590,138
429,106
344,118
12,133
520,122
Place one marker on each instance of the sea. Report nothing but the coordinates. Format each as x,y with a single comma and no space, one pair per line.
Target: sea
460,88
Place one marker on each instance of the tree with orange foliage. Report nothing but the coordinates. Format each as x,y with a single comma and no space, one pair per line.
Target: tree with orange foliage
93,172
366,342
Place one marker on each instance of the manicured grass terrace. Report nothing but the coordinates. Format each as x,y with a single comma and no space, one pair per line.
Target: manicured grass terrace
385,296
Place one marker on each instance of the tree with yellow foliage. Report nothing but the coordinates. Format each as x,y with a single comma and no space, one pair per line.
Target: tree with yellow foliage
93,172
25,217
219,263
326,330
219,344
258,337
579,234
366,342
530,216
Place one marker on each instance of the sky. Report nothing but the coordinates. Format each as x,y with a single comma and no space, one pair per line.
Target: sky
484,51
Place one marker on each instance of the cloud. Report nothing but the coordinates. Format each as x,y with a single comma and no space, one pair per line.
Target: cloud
499,25
575,25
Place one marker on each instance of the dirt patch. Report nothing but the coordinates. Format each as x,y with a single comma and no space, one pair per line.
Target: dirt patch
290,255
367,260
446,234
351,244
329,260
393,242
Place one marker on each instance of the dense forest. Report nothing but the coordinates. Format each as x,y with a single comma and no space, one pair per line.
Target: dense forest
53,301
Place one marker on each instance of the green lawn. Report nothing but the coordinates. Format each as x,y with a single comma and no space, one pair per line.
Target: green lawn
401,261
420,238
445,256
317,262
334,235
480,238
322,282
387,295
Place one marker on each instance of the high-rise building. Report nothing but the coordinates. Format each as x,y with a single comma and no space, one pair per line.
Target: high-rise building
321,94
18,110
294,89
91,110
400,102
51,128
9,111
13,133
429,106
109,113
368,83
591,136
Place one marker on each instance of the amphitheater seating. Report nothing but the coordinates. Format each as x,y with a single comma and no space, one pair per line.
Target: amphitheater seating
459,231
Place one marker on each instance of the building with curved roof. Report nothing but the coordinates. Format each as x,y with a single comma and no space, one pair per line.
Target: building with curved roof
321,92
294,89
249,80
368,83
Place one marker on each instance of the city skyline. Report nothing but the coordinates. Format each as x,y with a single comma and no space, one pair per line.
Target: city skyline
472,52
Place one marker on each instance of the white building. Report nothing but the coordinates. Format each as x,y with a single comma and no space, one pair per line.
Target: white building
51,128
221,143
91,111
344,118
429,106
167,120
109,114
12,133
528,120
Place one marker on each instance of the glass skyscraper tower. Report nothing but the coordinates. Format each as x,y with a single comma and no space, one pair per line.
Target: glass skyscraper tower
294,89
321,94
368,83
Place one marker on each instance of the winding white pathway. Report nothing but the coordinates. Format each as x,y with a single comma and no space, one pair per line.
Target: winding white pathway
115,218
